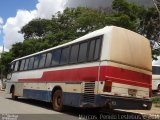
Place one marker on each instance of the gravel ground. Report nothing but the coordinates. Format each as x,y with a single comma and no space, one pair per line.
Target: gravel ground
28,106
153,114
155,110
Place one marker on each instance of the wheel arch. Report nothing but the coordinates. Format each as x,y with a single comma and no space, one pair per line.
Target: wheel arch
54,89
12,88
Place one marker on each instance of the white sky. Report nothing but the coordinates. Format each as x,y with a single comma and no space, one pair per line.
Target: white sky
43,9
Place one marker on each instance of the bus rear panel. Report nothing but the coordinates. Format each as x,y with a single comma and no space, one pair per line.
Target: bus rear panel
125,71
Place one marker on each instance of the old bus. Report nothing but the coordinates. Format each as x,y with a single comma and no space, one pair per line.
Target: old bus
110,67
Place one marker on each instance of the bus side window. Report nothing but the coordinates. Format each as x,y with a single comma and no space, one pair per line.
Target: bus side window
36,61
48,59
12,66
26,64
22,64
42,60
16,66
91,50
82,52
97,49
64,55
31,61
56,57
74,53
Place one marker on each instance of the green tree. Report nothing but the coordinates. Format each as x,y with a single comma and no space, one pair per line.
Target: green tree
5,60
145,21
36,28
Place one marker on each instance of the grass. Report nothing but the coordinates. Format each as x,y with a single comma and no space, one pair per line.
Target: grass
156,101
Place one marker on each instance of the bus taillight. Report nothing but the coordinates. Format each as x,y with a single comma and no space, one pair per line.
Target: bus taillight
107,86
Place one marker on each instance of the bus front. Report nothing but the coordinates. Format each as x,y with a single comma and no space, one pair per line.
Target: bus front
125,71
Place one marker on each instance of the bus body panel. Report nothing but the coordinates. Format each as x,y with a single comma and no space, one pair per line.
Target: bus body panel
128,68
124,79
130,48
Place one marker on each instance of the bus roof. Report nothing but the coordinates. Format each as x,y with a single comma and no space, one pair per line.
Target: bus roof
103,31
129,48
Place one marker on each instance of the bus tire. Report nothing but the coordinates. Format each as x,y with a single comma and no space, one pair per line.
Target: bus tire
57,100
14,97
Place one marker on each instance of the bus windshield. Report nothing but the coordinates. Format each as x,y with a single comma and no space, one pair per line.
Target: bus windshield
156,70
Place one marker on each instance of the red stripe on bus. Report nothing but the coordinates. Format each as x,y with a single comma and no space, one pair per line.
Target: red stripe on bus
124,76
117,75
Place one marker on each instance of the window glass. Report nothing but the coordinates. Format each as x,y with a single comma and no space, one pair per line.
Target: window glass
156,70
16,66
42,60
91,50
56,57
74,53
26,64
82,52
97,49
12,66
48,59
22,64
64,55
31,61
36,61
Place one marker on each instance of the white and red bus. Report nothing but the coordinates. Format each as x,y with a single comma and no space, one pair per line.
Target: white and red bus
110,67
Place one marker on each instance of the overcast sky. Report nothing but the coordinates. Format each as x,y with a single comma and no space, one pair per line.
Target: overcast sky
16,13
103,3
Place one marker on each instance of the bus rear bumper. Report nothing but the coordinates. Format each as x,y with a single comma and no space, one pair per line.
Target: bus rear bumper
115,102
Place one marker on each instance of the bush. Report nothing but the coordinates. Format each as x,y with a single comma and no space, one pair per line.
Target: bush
156,100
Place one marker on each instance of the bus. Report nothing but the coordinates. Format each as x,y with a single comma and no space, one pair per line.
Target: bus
156,78
107,68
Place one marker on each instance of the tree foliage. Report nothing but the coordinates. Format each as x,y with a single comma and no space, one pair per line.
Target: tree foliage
5,60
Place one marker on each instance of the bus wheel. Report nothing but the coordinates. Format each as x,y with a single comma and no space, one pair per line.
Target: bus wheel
14,97
57,100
